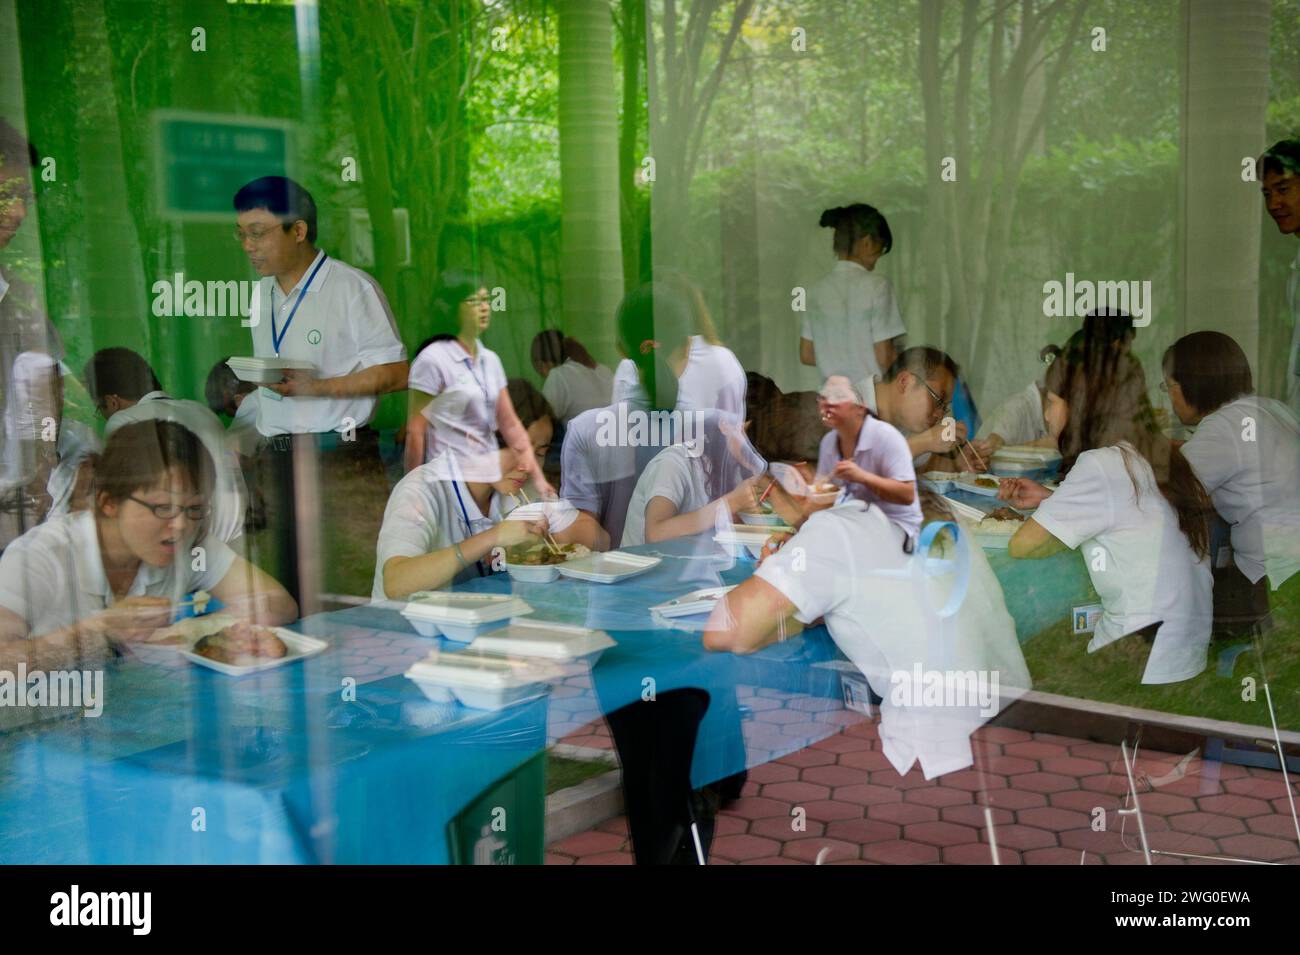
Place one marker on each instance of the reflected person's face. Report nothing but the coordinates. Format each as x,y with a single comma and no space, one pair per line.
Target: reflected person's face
271,250
476,313
1282,200
151,539
15,197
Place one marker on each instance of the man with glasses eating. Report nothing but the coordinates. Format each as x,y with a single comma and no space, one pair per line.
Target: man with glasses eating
915,396
310,307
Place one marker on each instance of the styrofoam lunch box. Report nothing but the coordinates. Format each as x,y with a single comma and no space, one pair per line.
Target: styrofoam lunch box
971,487
692,604
1020,460
298,646
460,616
481,681
609,567
557,642
266,371
743,541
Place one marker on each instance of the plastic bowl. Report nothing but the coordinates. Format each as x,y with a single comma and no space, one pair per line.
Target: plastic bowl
533,573
762,518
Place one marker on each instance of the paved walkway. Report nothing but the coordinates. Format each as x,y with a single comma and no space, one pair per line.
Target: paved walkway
1044,791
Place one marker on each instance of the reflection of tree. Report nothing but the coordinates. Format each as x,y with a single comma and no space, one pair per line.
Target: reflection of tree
683,83
969,221
408,71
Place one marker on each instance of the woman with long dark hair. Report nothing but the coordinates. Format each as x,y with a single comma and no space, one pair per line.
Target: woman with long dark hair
1130,501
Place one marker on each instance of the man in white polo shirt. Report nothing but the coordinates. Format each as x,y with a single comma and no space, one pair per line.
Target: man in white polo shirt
321,457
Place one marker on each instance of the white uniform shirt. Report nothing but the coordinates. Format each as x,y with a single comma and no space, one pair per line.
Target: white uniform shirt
1247,454
1019,419
847,564
849,311
881,450
712,378
1140,562
627,382
76,443
343,325
230,494
573,388
53,576
463,413
671,474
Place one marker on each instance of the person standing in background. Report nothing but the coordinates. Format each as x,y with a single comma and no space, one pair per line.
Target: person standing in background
311,307
1279,177
852,319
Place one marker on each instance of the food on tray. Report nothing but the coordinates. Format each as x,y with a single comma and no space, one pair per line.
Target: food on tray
241,644
538,554
1005,514
1002,520
986,482
824,488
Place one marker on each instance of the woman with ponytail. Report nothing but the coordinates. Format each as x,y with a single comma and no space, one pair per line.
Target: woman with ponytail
852,318
1131,502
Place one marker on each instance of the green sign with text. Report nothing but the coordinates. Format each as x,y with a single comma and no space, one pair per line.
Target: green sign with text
204,158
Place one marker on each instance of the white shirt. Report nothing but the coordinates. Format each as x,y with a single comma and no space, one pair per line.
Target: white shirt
627,382
426,513
1019,419
343,325
30,398
229,494
867,388
53,576
712,378
849,311
573,388
847,564
1138,559
882,450
672,474
1247,454
463,413
76,443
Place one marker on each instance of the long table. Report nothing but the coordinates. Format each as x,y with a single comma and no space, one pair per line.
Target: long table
339,758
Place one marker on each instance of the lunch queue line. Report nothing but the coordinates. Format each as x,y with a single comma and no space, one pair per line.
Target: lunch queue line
145,522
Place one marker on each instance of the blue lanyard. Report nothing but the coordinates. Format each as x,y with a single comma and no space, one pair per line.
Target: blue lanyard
278,336
469,528
482,386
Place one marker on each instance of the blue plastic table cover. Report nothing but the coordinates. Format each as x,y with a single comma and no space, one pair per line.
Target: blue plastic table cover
339,758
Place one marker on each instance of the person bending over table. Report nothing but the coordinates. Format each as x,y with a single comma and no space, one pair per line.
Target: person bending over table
79,586
681,490
865,455
849,566
440,528
1132,502
1246,451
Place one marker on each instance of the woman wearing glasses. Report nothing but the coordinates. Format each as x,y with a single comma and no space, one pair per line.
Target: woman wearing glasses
78,585
458,398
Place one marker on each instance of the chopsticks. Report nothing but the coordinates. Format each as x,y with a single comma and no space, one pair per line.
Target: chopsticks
547,539
966,460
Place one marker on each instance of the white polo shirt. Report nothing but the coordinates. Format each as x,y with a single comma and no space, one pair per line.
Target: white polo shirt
850,310
1138,559
673,474
627,382
53,576
1019,419
881,450
712,378
343,325
230,495
847,564
463,413
573,388
1247,454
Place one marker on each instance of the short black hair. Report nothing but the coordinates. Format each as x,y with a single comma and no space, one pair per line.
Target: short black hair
1282,157
14,144
222,386
1210,368
922,361
121,372
854,222
280,196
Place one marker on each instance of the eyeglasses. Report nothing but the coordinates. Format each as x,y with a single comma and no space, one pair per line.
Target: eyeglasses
939,402
168,512
256,235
